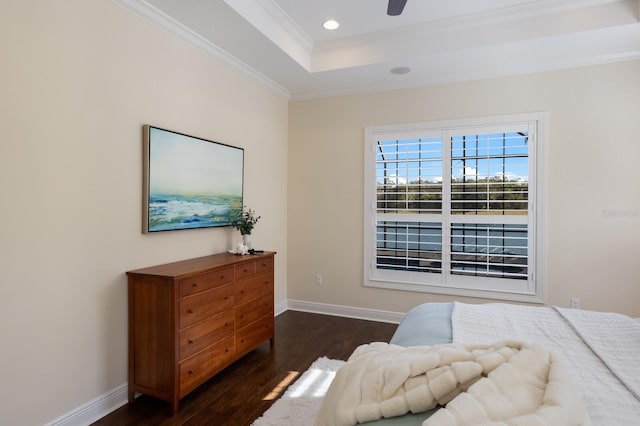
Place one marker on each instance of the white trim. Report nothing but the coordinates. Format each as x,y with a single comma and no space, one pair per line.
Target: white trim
533,289
94,409
438,28
118,397
492,120
459,291
282,28
281,307
346,311
156,17
273,22
463,76
104,404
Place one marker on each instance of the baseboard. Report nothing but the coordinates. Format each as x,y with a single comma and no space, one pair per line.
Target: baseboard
94,409
111,401
345,311
281,307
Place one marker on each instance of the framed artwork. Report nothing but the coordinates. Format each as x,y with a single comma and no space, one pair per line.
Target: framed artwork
189,182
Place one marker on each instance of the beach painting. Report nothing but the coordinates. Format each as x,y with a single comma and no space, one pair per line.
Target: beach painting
189,182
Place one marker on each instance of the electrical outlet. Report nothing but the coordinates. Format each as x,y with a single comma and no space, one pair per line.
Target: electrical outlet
319,280
575,303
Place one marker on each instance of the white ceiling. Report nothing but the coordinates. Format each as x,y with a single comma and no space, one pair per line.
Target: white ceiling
283,44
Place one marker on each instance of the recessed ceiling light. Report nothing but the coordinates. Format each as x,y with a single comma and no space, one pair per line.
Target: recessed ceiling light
330,24
400,70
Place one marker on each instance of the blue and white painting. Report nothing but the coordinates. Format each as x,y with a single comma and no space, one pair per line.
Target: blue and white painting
192,183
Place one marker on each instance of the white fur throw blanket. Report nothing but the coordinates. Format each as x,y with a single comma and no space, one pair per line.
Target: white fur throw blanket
507,383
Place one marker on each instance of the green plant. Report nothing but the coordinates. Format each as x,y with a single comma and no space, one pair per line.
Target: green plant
245,221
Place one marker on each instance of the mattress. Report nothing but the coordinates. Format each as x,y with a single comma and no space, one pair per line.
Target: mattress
611,394
600,349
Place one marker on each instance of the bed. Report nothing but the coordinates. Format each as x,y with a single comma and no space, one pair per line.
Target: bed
601,351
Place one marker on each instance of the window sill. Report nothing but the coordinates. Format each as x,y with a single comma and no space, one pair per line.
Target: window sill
458,291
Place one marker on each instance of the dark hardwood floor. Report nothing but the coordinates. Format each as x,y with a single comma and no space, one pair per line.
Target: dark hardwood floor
236,396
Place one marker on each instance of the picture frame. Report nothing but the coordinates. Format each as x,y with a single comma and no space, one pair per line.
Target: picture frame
189,182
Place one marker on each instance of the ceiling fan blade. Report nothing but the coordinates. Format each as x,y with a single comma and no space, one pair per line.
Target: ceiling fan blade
395,7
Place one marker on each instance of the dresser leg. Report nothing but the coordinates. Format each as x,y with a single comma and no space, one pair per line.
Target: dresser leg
173,406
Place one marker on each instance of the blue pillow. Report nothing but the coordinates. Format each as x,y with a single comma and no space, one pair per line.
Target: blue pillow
426,324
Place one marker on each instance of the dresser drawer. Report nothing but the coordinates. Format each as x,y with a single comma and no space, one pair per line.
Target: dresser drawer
205,281
250,337
264,264
197,369
205,333
251,311
202,305
253,288
245,270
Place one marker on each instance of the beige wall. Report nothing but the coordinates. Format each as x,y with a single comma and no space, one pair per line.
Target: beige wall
78,80
592,200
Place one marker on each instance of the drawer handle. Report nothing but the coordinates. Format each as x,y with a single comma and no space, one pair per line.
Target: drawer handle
245,270
194,285
190,372
241,291
189,311
241,316
222,277
190,342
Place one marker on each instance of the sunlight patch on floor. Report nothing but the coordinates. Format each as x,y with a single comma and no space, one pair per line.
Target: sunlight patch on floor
317,381
324,386
280,387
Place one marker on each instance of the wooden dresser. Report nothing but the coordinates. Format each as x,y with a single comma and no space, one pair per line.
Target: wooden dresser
190,319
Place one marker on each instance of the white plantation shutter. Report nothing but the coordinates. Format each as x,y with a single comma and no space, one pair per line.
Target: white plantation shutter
409,246
409,175
489,171
449,207
489,250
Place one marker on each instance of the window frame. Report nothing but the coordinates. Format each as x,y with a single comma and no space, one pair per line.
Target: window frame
533,289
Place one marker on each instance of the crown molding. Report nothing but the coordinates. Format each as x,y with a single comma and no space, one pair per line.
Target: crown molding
275,24
527,21
452,78
156,17
326,56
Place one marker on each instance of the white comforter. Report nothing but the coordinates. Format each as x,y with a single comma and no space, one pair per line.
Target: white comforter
602,350
507,383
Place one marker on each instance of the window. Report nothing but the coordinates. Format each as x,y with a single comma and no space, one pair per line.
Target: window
451,207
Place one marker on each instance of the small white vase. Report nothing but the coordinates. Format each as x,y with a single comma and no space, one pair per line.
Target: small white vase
246,240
